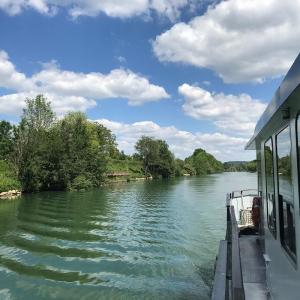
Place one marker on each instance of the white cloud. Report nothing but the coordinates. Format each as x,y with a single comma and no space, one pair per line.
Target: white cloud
14,103
74,91
182,143
9,76
14,7
230,113
113,8
241,40
119,83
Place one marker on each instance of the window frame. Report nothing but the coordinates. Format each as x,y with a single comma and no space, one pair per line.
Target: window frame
298,153
291,255
273,231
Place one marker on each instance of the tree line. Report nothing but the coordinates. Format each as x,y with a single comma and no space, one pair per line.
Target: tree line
43,152
240,166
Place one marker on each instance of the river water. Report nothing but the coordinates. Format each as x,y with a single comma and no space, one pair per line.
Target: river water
143,240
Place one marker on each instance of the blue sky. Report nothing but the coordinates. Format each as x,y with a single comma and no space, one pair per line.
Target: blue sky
197,73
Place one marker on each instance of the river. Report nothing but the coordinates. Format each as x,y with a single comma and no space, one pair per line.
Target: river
141,240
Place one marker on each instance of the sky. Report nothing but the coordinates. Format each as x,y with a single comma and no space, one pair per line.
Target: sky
196,73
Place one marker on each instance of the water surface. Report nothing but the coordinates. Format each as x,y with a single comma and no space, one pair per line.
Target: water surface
143,240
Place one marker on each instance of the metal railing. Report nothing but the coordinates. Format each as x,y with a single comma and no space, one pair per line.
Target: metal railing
242,193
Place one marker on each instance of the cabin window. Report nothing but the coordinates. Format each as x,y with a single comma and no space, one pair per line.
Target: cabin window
259,170
270,190
285,191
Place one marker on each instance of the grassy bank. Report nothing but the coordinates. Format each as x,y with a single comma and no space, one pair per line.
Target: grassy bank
129,169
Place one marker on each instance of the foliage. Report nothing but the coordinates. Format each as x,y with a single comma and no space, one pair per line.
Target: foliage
179,167
157,159
67,154
6,139
240,166
8,180
133,167
183,167
85,149
204,163
33,143
43,153
284,165
80,183
37,114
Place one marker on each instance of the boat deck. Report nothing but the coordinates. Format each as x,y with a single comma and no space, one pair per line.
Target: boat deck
253,268
240,272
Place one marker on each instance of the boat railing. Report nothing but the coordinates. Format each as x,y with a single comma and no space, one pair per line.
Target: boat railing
242,203
242,193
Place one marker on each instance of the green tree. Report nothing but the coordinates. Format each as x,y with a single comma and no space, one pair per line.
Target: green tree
6,139
157,159
71,153
204,163
38,114
179,167
33,142
86,149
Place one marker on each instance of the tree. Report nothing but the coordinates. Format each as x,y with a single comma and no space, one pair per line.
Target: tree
32,144
148,151
204,163
6,139
38,114
70,153
86,149
156,156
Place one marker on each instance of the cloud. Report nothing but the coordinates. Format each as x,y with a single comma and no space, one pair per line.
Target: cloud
112,8
9,77
182,143
74,91
14,7
60,104
230,113
119,83
241,40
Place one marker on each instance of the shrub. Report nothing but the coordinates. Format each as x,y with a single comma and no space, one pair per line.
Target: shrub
8,184
8,179
81,182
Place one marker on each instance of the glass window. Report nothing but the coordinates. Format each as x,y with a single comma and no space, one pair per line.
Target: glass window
285,191
259,175
269,171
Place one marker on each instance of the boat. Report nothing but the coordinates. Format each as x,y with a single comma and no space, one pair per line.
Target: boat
260,255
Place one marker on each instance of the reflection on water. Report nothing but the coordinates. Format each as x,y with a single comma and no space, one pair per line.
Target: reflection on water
146,240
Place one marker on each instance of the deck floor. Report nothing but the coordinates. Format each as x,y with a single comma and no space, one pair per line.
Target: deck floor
253,269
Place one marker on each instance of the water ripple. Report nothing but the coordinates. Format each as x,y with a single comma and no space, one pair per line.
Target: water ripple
150,240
